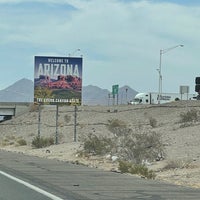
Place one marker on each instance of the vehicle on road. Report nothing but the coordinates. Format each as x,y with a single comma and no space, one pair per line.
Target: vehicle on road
153,98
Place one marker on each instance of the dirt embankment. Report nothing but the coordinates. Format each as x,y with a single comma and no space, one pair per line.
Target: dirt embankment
181,140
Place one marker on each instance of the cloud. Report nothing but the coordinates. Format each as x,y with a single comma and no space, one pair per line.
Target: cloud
120,40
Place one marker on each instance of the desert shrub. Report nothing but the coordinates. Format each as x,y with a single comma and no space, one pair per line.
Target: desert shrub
113,123
186,124
124,166
67,118
177,164
34,107
120,132
142,146
22,142
189,116
8,140
172,164
10,137
40,142
97,145
135,146
142,170
152,122
139,169
117,127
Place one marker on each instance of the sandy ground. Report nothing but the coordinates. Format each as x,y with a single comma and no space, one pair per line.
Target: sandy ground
181,140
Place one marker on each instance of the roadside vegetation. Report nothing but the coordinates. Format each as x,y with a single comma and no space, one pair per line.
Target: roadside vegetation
178,164
152,122
13,140
133,149
34,107
41,142
139,169
21,142
189,118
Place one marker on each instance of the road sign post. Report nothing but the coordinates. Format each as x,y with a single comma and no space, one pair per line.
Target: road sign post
115,89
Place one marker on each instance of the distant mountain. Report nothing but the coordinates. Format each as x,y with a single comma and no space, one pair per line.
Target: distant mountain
126,94
93,95
20,91
23,91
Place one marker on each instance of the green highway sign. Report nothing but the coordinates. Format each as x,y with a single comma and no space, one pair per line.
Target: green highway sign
115,89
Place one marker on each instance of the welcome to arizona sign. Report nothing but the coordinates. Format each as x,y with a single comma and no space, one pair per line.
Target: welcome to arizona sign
58,80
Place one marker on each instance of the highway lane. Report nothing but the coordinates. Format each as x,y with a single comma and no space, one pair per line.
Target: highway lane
76,182
12,190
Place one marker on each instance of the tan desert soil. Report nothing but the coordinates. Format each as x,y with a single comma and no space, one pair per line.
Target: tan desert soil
181,140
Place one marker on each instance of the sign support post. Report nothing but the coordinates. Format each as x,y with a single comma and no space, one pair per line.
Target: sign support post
115,89
75,122
39,120
56,124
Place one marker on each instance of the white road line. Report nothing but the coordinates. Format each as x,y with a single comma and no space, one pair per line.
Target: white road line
43,192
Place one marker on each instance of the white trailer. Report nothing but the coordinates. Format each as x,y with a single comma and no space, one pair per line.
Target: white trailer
153,98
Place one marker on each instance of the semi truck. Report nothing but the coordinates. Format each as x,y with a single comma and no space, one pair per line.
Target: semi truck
153,98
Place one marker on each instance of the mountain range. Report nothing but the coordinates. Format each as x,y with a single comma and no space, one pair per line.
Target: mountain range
23,91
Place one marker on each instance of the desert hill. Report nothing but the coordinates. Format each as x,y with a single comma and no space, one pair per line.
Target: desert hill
23,91
181,164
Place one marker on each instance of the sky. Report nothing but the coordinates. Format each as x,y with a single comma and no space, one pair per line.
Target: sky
119,40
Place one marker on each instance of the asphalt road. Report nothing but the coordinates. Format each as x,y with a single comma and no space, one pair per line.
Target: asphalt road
75,182
10,189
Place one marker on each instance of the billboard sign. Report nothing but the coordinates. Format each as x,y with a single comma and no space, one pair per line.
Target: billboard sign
58,80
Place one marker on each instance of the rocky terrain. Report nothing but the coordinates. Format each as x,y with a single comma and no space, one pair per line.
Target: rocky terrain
181,163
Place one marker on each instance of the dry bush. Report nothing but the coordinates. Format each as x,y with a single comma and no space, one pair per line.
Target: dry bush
139,169
189,116
34,108
177,164
135,146
97,145
143,171
152,122
8,140
124,166
10,137
127,145
67,118
142,146
21,142
120,132
117,127
40,142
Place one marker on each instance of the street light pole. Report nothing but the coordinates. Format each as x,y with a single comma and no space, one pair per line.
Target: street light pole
72,54
163,51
